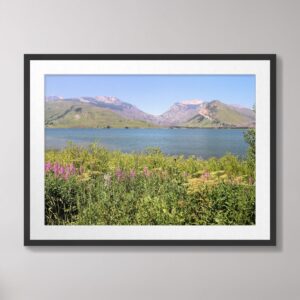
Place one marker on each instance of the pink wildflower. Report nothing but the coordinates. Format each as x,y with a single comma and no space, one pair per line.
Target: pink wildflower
119,174
132,173
205,175
55,168
47,166
146,172
72,169
61,170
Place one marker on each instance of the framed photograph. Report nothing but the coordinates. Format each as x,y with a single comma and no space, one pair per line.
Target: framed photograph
150,149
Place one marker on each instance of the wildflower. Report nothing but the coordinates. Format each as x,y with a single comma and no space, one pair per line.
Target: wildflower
61,170
47,166
107,179
119,174
205,176
132,173
55,168
67,169
146,172
72,169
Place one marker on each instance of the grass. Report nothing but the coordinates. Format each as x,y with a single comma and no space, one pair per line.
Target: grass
74,114
221,115
95,186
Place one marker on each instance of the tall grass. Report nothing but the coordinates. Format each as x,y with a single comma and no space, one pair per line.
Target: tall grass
100,187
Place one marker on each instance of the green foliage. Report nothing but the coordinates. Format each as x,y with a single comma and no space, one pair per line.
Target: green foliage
251,156
60,200
150,188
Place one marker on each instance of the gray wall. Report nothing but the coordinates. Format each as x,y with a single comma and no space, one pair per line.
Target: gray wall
143,26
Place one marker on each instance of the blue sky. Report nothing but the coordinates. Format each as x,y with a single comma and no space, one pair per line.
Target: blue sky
155,93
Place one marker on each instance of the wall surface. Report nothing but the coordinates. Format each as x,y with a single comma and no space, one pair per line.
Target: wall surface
143,26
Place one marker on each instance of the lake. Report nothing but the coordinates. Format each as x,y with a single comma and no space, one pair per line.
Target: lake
203,143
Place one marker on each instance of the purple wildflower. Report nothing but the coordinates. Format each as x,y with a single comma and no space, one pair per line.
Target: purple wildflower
132,173
55,168
47,166
119,174
72,169
61,171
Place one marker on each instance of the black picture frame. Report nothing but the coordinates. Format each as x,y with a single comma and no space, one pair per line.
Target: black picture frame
31,57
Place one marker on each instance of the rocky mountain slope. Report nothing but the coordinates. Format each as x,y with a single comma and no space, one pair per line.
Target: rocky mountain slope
77,114
103,111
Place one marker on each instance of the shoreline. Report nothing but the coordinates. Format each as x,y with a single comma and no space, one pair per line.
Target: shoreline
127,128
143,152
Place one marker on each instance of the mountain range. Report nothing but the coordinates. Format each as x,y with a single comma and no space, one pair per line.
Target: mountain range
106,112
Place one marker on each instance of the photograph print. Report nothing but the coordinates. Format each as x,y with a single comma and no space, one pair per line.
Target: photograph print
149,151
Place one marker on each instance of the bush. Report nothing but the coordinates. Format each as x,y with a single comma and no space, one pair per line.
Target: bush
61,198
251,155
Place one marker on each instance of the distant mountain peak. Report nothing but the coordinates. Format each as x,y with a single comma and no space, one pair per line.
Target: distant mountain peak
216,101
108,99
192,102
82,99
187,113
54,98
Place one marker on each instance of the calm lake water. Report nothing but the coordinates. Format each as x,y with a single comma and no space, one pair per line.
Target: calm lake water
202,143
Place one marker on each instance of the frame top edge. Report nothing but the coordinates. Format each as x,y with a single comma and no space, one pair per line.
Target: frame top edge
28,56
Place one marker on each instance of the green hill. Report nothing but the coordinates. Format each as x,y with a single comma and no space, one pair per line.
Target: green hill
76,114
218,114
